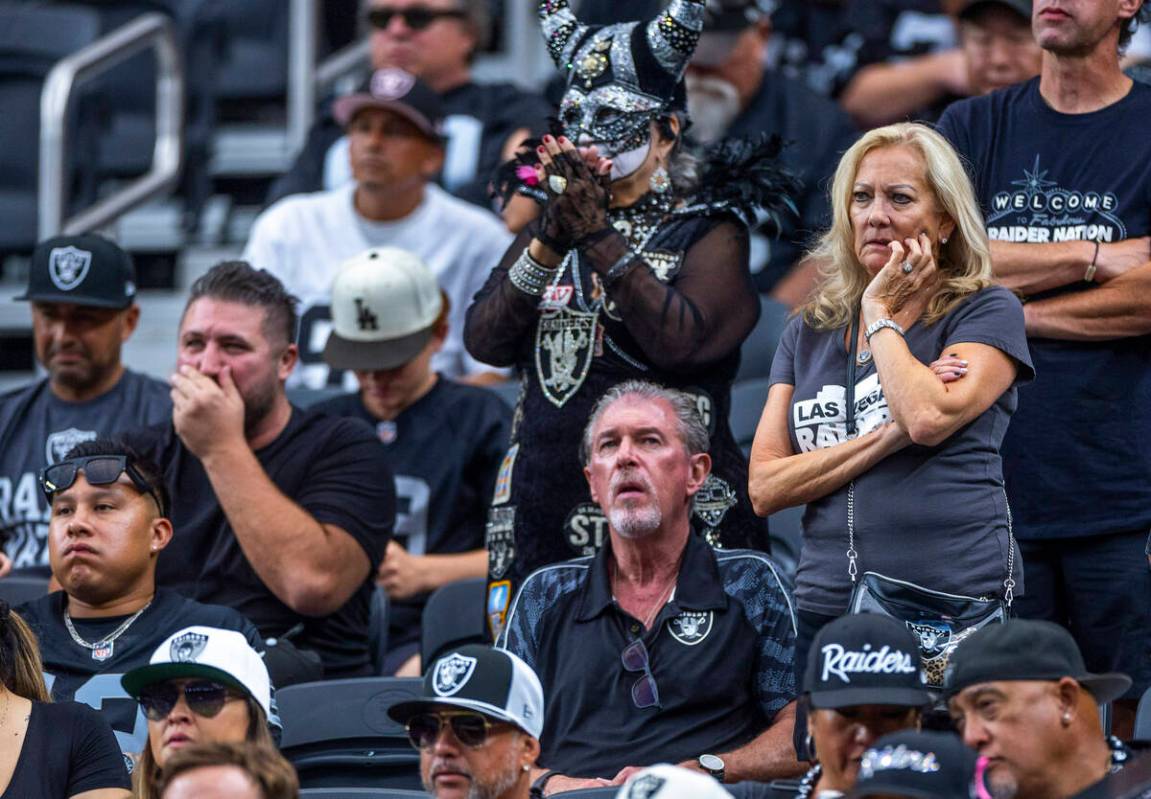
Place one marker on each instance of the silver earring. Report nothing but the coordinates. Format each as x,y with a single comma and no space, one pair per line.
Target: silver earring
943,240
660,180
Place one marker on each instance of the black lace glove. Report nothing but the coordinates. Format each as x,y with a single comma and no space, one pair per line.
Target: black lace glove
579,211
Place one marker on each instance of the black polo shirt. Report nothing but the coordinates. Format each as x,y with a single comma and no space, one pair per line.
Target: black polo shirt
721,652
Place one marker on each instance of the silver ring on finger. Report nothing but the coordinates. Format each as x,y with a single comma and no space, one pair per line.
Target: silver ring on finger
557,183
907,267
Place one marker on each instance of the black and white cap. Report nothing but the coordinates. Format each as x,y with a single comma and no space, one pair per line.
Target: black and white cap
385,304
400,92
664,781
87,269
918,765
865,659
490,681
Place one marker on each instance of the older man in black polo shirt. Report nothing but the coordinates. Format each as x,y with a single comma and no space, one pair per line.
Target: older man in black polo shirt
659,648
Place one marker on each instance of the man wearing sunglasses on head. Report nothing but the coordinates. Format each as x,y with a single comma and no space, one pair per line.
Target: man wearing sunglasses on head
202,685
659,648
109,525
437,41
477,725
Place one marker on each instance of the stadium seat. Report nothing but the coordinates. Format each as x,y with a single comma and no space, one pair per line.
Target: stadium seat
338,734
32,41
360,793
254,66
747,401
1143,719
759,348
454,616
17,589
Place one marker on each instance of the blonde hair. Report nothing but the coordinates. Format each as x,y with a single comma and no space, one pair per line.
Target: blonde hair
147,775
21,669
964,261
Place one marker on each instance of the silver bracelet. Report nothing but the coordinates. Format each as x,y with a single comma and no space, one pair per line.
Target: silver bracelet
878,325
530,276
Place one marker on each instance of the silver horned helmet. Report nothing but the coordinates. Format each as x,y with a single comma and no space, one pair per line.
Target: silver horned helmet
622,76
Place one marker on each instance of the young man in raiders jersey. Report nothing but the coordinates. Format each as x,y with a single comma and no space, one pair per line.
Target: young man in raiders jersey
109,525
445,441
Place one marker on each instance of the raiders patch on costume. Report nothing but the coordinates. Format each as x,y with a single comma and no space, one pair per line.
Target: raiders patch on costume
586,528
664,264
386,431
501,540
713,500
691,627
187,647
645,787
59,444
452,673
565,344
504,478
499,598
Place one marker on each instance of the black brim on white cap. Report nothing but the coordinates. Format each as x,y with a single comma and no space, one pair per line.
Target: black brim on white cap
370,356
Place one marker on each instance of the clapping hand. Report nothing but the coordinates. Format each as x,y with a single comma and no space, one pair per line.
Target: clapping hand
578,185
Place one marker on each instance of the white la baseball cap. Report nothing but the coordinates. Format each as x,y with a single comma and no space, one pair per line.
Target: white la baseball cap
223,656
385,303
665,781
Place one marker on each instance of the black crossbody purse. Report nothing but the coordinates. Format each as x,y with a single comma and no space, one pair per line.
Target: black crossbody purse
939,621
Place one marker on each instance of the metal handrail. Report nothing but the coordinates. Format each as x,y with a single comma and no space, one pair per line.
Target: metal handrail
301,71
148,31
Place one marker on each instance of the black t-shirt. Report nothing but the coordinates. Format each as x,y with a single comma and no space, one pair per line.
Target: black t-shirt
332,469
68,750
816,132
1077,455
72,672
445,451
478,119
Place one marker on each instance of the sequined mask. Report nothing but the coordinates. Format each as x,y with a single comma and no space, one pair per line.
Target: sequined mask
610,117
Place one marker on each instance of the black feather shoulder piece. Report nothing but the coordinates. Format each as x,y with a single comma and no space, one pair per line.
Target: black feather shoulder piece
743,176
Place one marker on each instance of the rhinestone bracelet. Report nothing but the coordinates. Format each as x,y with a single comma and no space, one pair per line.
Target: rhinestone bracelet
529,275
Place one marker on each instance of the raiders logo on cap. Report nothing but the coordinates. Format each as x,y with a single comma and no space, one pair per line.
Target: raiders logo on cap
188,647
68,266
391,84
645,787
452,673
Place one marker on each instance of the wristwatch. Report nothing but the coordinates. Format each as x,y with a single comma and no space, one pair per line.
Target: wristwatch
713,765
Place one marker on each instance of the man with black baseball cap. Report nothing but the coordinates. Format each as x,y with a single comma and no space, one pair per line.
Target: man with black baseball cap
863,679
920,765
445,442
83,294
395,148
477,725
1021,695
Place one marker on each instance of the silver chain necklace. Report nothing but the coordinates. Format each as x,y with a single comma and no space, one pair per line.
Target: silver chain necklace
102,650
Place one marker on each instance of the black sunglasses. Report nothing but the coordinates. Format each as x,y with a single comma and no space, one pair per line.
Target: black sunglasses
644,691
417,17
204,698
99,470
470,729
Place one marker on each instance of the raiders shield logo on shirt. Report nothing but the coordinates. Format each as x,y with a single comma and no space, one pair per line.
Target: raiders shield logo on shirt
565,345
645,787
59,444
500,540
68,266
188,647
452,674
690,627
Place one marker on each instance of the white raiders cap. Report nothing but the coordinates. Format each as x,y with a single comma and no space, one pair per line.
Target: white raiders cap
664,781
385,303
490,681
223,656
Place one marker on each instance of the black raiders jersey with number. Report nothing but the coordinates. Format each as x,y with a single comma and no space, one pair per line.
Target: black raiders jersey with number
74,674
445,451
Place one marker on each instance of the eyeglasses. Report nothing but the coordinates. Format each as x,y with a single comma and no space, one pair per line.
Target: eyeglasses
644,691
417,17
99,470
470,729
204,698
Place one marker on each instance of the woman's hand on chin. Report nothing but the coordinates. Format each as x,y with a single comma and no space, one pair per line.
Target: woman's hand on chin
899,294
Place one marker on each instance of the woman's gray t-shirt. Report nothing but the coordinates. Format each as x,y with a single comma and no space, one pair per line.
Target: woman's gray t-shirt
936,516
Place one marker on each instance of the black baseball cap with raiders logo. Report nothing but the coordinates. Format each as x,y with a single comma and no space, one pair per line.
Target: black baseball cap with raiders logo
490,681
401,92
919,765
87,269
865,659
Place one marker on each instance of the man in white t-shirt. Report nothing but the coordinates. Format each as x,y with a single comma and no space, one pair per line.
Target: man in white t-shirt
395,149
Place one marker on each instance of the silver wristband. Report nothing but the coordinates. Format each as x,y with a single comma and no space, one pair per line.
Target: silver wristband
530,276
878,325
